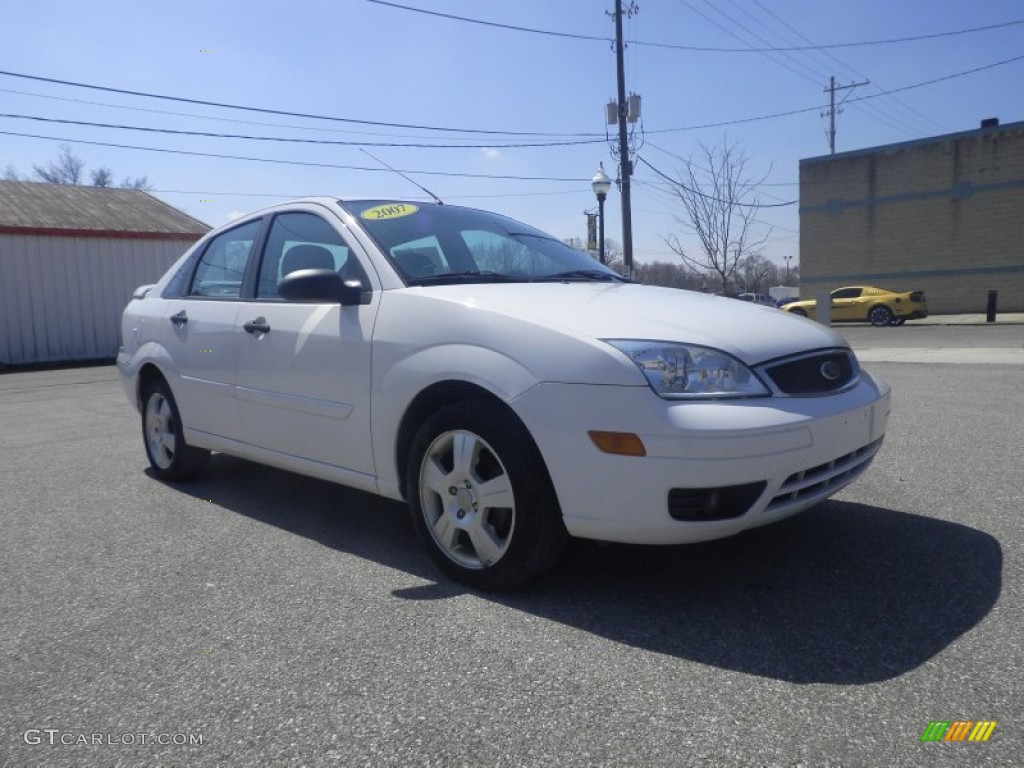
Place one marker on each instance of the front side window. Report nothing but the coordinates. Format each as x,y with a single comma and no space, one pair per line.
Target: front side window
846,293
222,266
302,240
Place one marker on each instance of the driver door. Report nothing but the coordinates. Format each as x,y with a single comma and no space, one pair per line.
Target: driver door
302,378
845,304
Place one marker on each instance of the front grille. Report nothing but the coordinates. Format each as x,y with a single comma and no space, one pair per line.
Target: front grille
825,479
816,374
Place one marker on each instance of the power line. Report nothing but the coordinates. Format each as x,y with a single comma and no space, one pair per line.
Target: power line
686,160
786,60
916,114
891,91
719,124
317,129
481,22
289,162
705,49
789,61
697,192
803,110
296,195
269,111
207,134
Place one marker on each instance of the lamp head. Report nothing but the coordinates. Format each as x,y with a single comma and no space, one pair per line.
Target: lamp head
601,183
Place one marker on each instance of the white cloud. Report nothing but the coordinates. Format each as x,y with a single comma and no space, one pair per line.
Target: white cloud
490,153
232,215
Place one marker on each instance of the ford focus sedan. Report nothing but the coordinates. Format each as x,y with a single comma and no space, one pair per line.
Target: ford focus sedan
510,389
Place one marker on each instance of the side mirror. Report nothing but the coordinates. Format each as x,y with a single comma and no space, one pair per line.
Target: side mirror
322,286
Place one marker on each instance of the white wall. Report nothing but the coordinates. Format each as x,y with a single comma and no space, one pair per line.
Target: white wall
61,298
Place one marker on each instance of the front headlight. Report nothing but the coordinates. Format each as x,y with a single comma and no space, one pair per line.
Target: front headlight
690,371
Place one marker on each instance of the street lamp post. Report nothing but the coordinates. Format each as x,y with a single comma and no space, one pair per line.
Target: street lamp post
601,184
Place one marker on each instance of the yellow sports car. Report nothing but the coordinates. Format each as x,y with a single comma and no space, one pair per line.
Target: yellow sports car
864,303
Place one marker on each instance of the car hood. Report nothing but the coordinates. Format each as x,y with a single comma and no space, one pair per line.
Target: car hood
750,332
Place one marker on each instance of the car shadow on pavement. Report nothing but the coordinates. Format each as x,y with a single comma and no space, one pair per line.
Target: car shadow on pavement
847,593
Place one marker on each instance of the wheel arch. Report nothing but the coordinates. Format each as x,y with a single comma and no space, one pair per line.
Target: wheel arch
148,373
431,399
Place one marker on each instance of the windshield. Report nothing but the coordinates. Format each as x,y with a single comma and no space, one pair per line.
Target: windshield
432,244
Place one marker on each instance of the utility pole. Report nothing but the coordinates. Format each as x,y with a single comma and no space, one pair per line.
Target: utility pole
832,88
625,165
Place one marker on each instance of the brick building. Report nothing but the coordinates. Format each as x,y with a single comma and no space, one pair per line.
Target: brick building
944,215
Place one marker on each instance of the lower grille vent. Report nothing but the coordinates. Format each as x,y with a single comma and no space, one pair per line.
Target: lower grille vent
705,504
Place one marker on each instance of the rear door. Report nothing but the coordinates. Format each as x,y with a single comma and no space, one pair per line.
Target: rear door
198,332
303,369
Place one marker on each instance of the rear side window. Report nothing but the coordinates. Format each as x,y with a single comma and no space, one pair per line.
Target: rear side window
303,241
222,266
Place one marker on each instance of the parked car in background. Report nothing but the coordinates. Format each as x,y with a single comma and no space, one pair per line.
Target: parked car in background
758,298
865,303
510,389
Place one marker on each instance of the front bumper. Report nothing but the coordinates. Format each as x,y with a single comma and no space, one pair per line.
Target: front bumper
804,449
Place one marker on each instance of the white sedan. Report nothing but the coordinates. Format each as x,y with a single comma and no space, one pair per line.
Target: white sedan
512,390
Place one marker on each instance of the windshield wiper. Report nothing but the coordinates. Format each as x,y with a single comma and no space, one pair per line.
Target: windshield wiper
583,274
469,276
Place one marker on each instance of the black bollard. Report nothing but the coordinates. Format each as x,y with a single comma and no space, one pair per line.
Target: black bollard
990,310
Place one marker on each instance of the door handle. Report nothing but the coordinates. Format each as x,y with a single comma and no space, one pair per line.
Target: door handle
179,319
259,325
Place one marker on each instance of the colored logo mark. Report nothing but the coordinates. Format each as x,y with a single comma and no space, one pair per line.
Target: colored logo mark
958,730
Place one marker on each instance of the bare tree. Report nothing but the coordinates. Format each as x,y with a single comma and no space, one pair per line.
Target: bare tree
756,273
139,182
69,169
612,251
719,197
66,170
102,177
11,173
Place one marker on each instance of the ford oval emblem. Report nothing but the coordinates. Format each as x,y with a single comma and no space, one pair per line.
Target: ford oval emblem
831,370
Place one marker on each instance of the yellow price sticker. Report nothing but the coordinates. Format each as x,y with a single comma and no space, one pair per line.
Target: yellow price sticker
389,211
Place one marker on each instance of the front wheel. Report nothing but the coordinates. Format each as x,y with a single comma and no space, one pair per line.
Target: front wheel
169,455
798,312
880,316
481,498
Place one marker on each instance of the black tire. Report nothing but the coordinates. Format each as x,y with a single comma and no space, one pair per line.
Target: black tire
458,451
898,321
169,455
797,311
880,315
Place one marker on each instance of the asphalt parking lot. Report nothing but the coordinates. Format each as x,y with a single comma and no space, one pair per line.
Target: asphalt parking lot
286,621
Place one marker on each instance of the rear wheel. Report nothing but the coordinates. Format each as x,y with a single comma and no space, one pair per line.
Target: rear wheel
797,311
880,315
169,455
481,498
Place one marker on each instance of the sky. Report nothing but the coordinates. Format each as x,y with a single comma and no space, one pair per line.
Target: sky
484,89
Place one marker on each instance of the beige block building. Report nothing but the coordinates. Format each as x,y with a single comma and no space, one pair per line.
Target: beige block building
943,215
